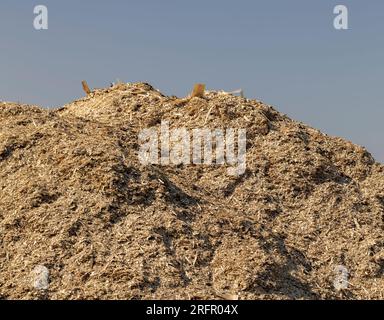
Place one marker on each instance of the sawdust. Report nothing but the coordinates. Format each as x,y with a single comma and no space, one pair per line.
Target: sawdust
75,199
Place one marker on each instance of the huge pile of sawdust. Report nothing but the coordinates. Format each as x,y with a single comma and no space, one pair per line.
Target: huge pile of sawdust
75,199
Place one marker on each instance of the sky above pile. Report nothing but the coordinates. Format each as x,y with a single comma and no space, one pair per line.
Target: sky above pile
285,53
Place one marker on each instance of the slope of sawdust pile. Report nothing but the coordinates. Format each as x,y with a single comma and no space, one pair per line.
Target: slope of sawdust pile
75,199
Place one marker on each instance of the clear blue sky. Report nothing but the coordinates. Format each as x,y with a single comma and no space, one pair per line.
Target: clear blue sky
285,53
